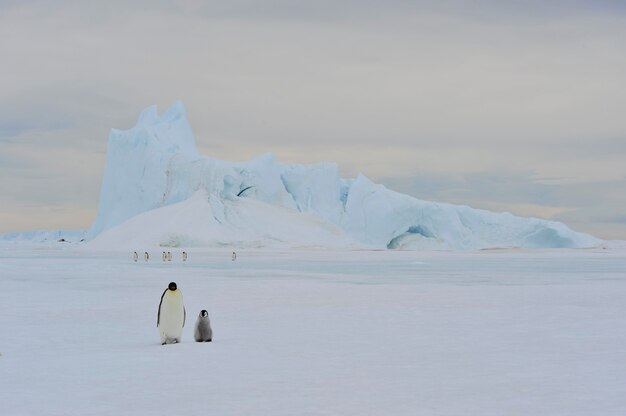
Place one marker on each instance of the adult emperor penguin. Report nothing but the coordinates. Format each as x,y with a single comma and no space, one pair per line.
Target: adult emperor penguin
171,315
203,332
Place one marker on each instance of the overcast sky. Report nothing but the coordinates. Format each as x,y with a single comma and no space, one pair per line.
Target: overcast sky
504,105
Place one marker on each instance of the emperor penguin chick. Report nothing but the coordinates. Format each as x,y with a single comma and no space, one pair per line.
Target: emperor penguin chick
203,332
171,315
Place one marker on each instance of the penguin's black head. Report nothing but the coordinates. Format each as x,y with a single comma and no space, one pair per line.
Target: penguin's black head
204,313
172,286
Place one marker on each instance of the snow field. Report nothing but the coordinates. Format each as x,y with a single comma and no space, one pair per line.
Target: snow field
316,333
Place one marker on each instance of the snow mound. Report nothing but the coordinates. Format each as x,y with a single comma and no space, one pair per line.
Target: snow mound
188,199
207,221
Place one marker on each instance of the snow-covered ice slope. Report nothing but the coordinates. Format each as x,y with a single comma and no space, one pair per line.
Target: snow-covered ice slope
204,220
298,332
156,164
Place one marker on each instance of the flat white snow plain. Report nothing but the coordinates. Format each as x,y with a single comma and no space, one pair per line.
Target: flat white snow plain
297,332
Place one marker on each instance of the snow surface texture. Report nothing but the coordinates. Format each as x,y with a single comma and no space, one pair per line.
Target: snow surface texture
155,166
490,333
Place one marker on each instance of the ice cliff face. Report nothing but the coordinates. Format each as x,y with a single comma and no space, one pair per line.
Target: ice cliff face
156,164
139,165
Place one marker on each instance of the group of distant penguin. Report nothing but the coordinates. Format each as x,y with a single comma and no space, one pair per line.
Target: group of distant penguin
171,318
167,256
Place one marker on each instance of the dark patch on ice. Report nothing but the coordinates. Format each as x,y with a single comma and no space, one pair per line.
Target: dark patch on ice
420,229
414,229
244,190
343,195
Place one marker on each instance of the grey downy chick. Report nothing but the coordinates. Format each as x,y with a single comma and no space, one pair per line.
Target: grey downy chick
203,332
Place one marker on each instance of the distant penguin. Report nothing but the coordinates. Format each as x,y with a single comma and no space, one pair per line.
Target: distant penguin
203,332
146,256
169,256
234,256
171,315
135,256
184,256
163,256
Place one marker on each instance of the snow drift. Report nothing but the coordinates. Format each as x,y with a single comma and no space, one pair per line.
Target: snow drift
158,190
204,220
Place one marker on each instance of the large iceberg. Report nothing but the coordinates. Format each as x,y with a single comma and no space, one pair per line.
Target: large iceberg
156,185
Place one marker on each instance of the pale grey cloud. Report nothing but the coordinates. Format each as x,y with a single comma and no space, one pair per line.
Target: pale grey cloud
393,89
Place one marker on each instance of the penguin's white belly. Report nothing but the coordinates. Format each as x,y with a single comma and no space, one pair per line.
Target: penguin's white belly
172,317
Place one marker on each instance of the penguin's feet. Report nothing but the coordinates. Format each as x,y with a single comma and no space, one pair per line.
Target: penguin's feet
208,340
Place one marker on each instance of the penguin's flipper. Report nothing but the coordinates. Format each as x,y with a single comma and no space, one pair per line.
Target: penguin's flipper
184,315
159,312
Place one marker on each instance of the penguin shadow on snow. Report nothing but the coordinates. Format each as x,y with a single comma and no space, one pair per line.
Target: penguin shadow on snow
172,315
